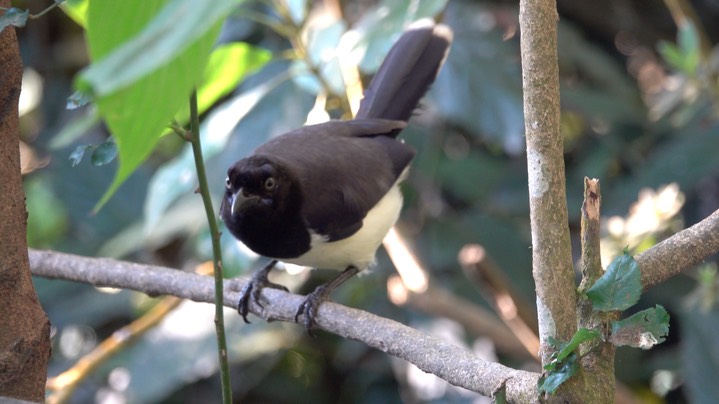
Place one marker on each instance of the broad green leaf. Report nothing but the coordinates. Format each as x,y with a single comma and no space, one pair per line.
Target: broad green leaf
550,382
642,330
148,55
77,10
13,17
620,286
177,26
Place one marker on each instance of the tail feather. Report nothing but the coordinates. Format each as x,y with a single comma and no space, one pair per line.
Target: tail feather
406,73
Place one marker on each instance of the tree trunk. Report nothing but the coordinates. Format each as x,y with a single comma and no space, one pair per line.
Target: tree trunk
24,327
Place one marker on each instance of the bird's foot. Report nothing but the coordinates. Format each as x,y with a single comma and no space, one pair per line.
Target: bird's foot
251,290
311,305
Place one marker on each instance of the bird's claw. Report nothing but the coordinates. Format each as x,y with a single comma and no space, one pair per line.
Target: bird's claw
251,292
310,307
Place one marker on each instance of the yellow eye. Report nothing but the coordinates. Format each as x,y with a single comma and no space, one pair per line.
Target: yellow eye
270,183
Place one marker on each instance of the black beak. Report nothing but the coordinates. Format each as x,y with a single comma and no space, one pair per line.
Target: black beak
241,201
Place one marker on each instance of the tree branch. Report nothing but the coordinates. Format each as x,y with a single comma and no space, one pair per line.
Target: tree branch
552,265
451,363
680,252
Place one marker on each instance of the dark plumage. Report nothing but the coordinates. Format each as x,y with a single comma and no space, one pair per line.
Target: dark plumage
325,195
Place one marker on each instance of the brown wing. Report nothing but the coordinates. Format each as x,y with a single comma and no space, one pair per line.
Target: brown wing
344,168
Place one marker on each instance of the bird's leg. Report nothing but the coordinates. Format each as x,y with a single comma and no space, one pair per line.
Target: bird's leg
312,302
252,289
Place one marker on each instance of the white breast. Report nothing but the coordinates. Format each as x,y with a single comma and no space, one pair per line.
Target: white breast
359,249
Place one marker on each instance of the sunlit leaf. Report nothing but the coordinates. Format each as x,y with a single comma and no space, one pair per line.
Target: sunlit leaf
228,65
148,56
77,10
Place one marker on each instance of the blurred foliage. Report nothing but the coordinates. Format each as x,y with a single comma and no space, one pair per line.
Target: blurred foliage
636,115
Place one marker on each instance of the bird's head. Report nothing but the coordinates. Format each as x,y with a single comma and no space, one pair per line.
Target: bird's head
255,186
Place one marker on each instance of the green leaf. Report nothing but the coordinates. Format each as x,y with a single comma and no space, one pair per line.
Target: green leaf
620,286
13,17
688,41
228,65
642,330
671,54
77,10
147,58
580,336
551,381
104,153
685,55
176,27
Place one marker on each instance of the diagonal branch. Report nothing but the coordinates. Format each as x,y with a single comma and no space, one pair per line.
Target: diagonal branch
680,252
447,361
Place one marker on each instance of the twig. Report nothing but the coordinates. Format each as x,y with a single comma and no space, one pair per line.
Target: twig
451,363
216,249
41,13
597,360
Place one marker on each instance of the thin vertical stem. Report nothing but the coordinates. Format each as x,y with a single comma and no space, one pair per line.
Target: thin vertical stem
216,249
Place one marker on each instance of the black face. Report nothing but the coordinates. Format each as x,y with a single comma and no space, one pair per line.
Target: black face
261,207
251,188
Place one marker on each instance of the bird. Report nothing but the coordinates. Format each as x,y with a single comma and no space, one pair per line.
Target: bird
325,195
